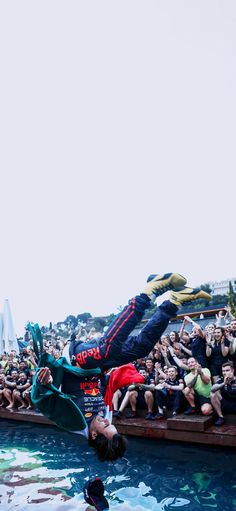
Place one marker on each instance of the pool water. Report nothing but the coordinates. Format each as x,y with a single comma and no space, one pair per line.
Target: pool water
42,466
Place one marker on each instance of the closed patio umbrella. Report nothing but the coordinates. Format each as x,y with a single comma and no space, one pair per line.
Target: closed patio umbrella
9,340
1,331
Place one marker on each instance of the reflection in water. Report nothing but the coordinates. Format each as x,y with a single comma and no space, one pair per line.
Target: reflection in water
41,465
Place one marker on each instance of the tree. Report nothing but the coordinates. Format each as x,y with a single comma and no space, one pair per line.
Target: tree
99,324
84,317
206,287
71,321
232,299
110,319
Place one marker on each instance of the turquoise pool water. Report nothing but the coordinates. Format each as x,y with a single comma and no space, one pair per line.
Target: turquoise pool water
42,468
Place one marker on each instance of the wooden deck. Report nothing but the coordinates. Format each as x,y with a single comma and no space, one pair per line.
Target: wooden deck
196,429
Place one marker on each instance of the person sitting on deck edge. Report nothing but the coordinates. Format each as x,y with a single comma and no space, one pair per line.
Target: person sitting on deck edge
80,406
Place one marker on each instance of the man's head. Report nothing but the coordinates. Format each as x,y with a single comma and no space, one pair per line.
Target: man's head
23,365
103,426
233,325
172,373
143,371
177,348
56,354
195,331
228,370
105,439
192,363
14,375
22,376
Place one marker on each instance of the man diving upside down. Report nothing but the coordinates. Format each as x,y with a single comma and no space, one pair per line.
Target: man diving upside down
116,348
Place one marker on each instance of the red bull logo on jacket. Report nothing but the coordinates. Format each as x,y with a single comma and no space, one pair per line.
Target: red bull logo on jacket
90,388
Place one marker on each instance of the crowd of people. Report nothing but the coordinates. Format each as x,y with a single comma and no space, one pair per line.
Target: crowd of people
187,372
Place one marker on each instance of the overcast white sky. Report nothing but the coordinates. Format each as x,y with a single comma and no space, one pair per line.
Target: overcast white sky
117,150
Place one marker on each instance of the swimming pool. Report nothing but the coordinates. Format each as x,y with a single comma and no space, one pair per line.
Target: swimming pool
42,466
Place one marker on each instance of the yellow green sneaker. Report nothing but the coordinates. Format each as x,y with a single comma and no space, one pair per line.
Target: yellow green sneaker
159,284
187,294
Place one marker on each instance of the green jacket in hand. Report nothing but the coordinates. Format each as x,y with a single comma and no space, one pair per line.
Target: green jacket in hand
48,399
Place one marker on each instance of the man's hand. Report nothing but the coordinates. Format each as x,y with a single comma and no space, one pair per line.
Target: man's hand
131,387
44,376
164,351
208,339
199,368
165,385
220,315
229,337
187,319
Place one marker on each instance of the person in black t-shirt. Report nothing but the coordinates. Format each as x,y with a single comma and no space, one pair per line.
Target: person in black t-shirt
2,387
169,394
230,333
11,367
22,383
223,396
24,368
217,350
197,342
141,396
149,363
10,385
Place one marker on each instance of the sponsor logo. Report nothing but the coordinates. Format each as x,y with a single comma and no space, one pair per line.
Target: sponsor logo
91,352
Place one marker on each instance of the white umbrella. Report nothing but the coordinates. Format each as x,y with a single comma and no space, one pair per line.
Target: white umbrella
1,330
8,336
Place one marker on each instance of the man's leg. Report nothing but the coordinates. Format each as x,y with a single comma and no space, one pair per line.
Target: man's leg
190,396
7,393
132,314
160,400
115,400
149,399
133,395
123,405
103,353
96,353
124,350
177,400
216,403
116,348
206,409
